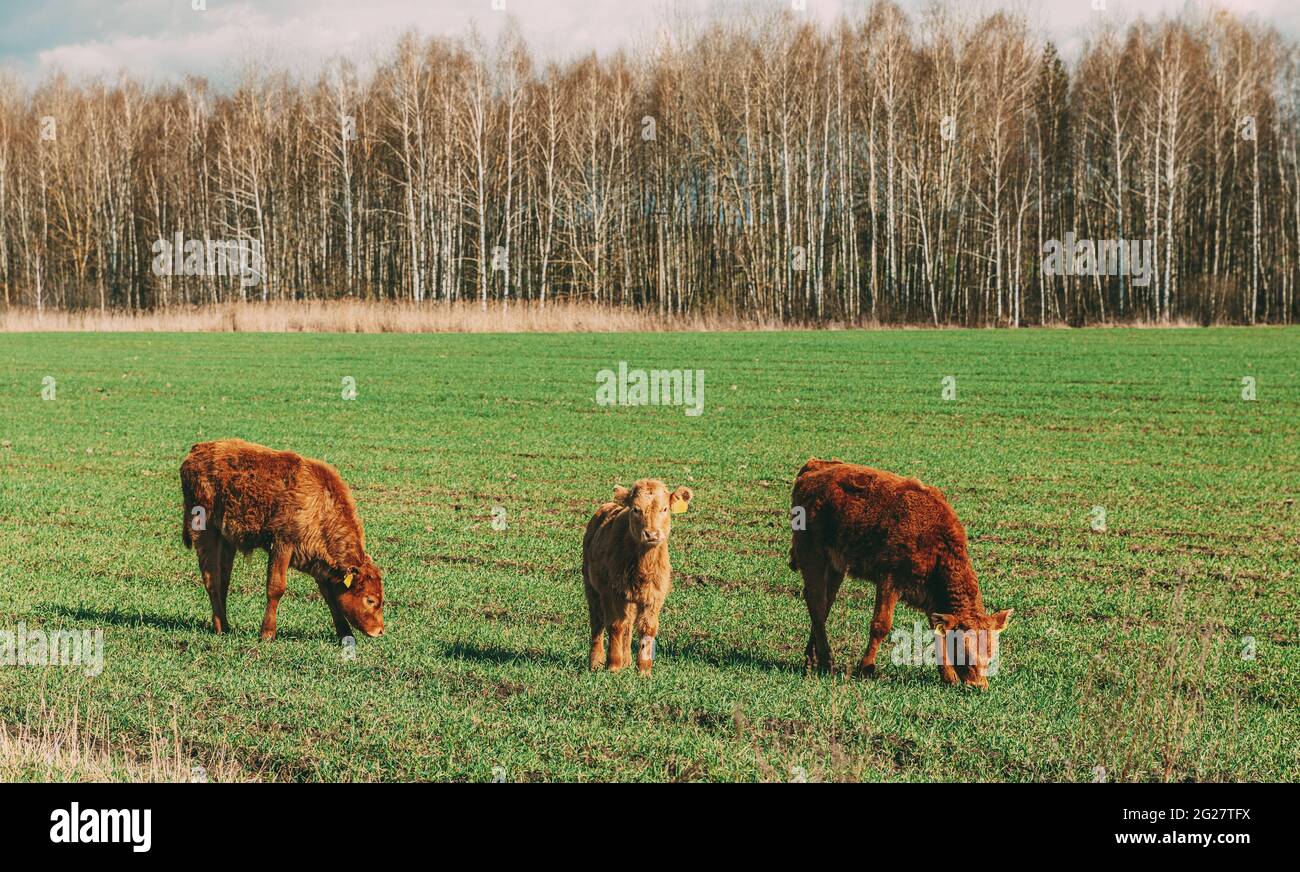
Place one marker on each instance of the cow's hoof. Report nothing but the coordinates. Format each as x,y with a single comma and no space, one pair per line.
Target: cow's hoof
267,635
865,670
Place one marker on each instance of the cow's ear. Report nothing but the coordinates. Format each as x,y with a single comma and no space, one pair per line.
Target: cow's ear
942,623
350,577
682,494
621,494
1001,619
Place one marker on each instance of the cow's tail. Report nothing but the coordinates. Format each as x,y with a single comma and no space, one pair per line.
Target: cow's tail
187,492
794,532
799,496
185,517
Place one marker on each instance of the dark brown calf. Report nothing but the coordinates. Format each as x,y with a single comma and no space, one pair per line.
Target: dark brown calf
902,535
240,496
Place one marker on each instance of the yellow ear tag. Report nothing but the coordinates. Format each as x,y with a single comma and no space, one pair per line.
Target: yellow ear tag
679,507
347,580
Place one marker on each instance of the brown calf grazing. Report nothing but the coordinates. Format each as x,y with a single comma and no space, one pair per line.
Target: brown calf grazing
240,496
902,535
625,570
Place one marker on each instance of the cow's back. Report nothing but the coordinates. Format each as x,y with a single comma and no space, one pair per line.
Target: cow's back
870,522
252,493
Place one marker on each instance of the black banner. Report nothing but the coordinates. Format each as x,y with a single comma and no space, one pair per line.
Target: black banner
146,822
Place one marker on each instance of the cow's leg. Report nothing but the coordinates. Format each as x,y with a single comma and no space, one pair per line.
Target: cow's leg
821,582
814,598
341,626
277,566
647,629
597,616
942,650
208,547
881,623
227,565
620,616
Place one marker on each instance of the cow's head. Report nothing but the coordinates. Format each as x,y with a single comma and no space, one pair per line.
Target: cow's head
650,510
966,646
361,596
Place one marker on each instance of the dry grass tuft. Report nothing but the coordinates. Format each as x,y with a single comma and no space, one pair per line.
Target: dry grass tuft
1151,721
62,745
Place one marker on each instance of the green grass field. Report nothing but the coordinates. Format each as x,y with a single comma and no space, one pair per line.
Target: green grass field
1126,651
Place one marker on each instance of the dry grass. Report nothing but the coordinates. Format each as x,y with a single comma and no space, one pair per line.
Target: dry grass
1153,724
66,744
360,316
354,316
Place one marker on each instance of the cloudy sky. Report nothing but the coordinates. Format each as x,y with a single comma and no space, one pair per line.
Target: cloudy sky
158,40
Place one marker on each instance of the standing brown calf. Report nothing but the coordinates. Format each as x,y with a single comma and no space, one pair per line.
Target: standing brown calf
240,496
904,536
625,570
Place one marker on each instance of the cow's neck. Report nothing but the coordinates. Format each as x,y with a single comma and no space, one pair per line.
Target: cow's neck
340,560
964,596
953,586
350,558
348,543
